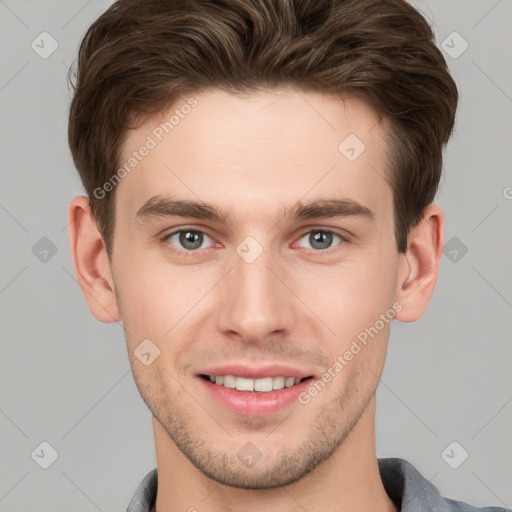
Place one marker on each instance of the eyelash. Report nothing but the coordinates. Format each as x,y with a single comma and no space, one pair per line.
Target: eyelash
193,253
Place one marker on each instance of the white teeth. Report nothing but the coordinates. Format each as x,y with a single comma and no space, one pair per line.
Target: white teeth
278,383
289,382
243,384
264,385
229,381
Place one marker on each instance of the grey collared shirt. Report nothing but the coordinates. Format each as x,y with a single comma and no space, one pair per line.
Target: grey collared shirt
410,491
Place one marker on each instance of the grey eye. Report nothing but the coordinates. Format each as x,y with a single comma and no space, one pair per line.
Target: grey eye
188,239
320,240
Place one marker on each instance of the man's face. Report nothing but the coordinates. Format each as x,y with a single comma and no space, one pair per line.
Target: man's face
260,293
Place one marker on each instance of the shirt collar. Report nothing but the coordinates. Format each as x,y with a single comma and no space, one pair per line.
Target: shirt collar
410,491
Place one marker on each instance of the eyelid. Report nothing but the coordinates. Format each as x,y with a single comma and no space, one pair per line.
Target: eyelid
177,229
335,231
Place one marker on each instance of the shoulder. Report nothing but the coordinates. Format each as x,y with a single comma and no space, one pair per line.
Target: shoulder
406,486
461,506
145,496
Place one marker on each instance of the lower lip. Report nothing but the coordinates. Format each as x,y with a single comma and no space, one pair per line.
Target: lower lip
254,404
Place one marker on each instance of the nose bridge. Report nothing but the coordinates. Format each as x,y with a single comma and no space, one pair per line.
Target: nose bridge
254,302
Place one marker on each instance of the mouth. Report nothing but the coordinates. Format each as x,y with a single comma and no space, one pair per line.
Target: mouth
254,392
261,385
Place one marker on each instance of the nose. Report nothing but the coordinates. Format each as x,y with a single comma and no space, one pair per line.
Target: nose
256,302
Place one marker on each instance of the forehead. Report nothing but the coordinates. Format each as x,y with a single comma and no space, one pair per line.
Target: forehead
257,152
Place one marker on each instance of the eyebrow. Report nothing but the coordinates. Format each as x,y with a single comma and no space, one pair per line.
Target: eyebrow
159,206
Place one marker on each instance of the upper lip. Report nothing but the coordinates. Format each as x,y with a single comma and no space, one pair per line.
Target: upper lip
256,372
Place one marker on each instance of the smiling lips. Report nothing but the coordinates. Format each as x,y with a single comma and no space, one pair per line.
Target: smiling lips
254,391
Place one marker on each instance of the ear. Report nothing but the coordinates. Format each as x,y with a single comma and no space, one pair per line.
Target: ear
91,263
419,266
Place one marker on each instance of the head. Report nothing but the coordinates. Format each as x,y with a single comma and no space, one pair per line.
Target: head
298,146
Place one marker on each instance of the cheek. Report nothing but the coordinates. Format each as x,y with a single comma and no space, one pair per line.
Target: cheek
351,303
155,296
350,296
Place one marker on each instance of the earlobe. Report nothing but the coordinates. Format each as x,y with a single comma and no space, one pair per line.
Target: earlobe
419,266
91,263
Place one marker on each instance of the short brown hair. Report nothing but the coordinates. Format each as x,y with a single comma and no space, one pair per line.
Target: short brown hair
139,55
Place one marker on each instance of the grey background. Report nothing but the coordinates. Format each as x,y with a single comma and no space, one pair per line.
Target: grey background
66,380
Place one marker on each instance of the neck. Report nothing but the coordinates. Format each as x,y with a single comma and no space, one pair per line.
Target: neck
349,480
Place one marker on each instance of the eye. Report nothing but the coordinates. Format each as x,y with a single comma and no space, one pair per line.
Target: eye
320,240
188,239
